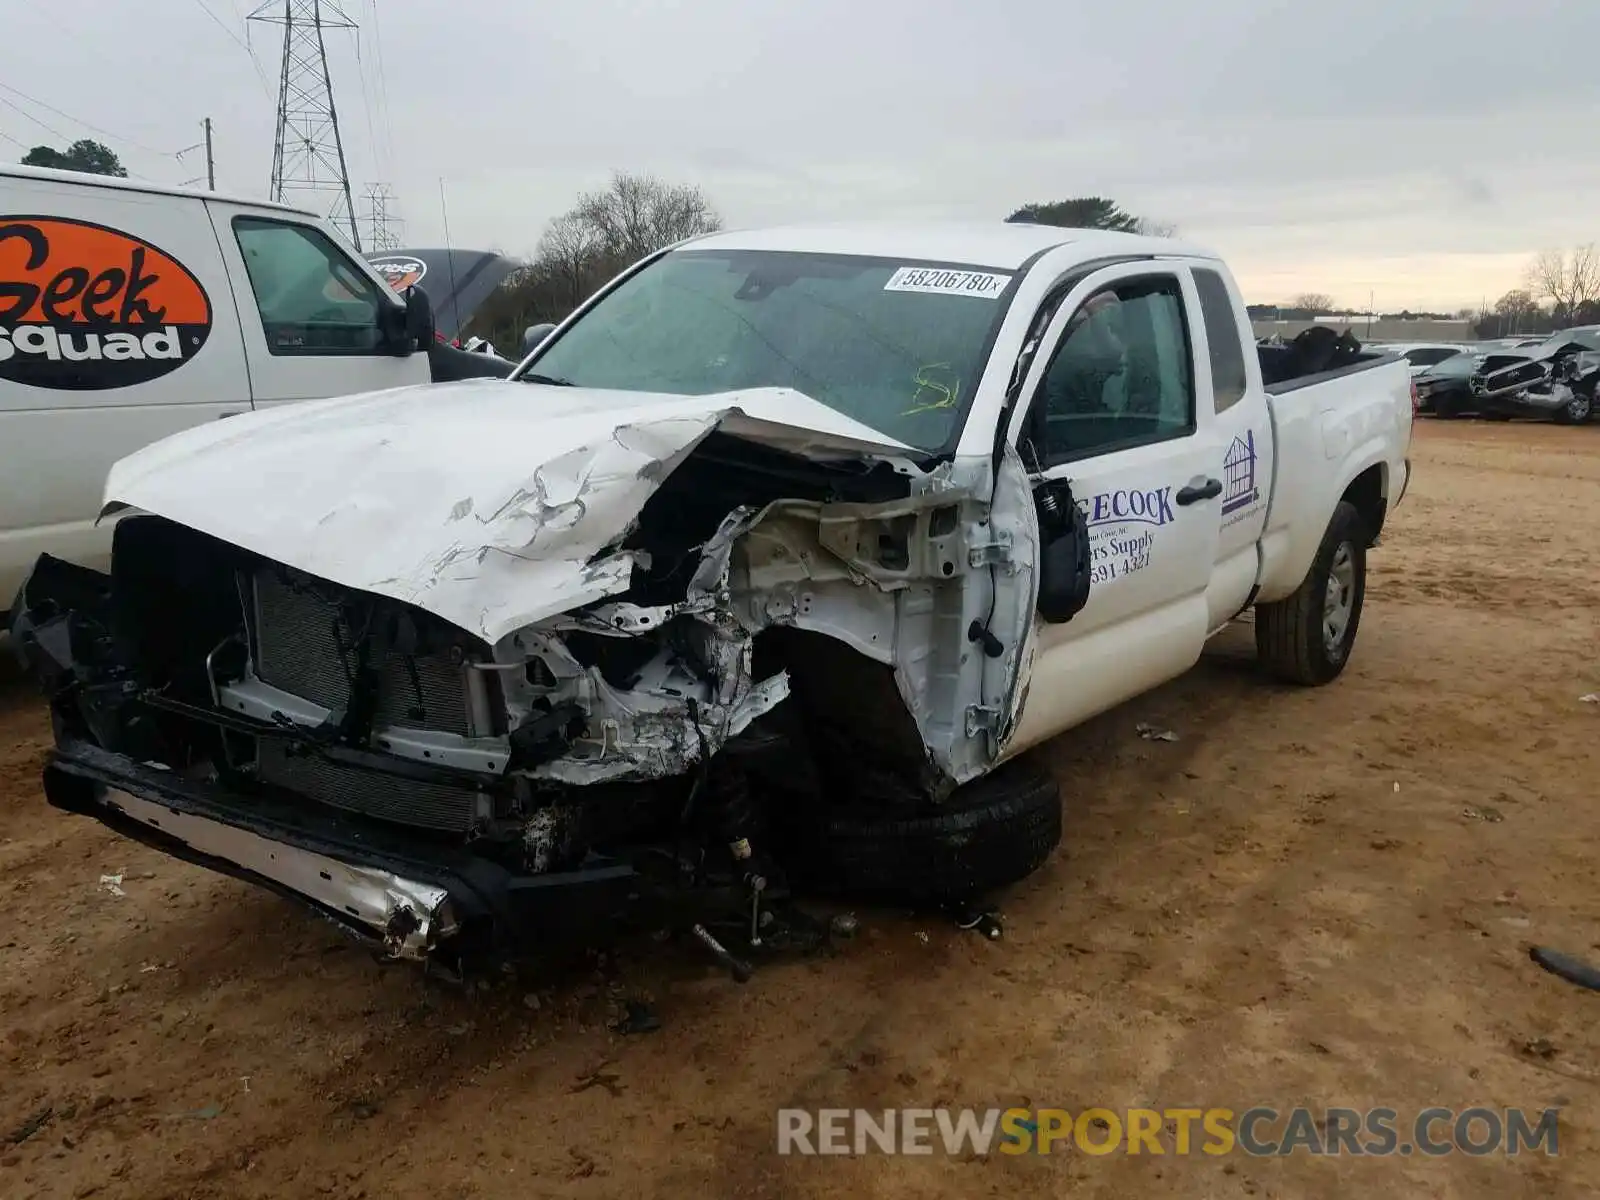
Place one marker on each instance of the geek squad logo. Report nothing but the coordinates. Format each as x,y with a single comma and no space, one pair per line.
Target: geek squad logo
400,272
84,307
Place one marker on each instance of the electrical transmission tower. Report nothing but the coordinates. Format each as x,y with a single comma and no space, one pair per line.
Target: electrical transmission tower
308,155
383,227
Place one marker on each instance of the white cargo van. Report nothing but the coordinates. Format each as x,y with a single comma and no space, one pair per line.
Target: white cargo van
129,311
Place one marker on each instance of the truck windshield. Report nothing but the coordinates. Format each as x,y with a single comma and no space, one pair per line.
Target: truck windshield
898,346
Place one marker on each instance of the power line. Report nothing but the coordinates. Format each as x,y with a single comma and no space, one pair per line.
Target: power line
12,140
238,41
116,137
17,108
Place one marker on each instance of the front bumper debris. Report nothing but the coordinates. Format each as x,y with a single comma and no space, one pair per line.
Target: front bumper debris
412,897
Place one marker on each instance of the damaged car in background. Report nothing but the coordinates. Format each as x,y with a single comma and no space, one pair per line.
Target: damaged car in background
1557,378
759,576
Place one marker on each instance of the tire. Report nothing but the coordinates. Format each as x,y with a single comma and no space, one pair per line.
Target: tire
1575,411
1446,409
1496,416
1294,639
989,833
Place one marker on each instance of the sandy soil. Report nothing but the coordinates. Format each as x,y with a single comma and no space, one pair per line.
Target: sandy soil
1312,896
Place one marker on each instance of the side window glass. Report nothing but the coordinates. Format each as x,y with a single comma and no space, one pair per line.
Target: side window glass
1222,338
312,298
1122,374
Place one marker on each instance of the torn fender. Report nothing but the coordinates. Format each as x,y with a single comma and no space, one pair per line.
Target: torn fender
487,503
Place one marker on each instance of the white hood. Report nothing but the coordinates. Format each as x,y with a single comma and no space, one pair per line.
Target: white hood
484,502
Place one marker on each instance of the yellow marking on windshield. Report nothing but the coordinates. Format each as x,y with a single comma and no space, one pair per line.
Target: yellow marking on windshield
933,394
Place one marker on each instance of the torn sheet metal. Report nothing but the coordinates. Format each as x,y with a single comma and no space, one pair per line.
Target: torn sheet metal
483,502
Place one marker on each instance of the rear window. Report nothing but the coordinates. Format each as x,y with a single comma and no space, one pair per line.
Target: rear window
1427,356
898,346
1228,378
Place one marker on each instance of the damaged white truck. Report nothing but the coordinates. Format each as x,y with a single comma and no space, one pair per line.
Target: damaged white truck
759,574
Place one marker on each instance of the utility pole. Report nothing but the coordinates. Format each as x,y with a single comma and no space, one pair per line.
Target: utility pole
383,227
308,153
211,161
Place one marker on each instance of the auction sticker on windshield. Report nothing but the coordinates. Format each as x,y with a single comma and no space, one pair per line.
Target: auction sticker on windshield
84,307
947,283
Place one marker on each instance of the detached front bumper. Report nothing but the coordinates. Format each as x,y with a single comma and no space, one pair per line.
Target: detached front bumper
412,897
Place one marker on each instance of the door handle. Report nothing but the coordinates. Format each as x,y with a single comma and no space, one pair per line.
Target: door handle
1197,492
235,413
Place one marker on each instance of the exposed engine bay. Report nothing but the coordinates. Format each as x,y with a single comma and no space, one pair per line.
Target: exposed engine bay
776,639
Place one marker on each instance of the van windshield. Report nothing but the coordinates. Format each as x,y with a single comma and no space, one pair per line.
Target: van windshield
897,346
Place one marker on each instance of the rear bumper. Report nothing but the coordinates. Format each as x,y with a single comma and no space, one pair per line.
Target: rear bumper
411,896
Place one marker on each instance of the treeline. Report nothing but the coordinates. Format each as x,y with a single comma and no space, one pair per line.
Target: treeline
605,231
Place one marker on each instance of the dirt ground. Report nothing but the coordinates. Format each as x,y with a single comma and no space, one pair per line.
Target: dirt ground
1321,897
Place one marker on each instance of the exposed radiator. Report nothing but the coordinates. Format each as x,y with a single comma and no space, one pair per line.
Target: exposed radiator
305,646
384,797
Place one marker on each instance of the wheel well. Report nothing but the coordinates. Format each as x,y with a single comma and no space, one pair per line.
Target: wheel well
856,721
1365,494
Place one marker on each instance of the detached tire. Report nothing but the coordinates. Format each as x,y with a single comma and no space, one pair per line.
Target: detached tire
991,832
1306,637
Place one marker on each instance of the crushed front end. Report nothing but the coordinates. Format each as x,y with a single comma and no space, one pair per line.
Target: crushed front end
636,760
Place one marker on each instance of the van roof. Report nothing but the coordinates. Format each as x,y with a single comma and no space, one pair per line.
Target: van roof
86,179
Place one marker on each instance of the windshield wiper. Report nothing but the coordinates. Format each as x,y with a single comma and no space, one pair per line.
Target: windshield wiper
552,380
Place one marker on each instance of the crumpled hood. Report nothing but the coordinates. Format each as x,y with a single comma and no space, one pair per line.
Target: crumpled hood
484,502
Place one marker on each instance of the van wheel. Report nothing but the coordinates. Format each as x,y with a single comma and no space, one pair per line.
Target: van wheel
988,833
1306,637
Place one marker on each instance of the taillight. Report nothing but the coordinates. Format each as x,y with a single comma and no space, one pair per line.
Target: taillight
1416,402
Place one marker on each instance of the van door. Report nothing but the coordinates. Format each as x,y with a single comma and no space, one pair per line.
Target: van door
1243,425
1112,405
310,310
117,328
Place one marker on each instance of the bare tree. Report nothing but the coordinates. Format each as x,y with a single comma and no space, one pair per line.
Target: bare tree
639,214
568,254
1314,303
1567,281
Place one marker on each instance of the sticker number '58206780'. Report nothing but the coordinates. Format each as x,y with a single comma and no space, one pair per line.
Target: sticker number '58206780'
85,307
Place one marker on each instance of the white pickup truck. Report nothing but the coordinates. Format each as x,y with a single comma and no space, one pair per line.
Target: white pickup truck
762,570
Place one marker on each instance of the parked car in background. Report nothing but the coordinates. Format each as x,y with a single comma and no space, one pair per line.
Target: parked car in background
1421,355
1445,388
1555,377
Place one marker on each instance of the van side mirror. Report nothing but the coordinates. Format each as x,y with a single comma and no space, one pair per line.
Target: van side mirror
534,335
419,317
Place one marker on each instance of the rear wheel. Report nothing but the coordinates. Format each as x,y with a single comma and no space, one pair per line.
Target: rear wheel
1306,637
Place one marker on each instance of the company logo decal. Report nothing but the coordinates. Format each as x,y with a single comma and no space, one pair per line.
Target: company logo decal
84,307
1239,474
400,272
1122,529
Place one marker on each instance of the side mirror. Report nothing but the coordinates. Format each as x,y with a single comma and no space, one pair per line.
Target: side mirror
534,335
419,318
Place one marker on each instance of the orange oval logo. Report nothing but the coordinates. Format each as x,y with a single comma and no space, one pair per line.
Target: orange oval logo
400,272
85,307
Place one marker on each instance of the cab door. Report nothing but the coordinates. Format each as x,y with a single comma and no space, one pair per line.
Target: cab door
311,312
1112,403
1243,427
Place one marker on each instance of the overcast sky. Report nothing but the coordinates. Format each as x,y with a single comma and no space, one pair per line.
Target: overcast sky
1414,149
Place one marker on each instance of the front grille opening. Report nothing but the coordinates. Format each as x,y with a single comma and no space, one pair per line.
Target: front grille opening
304,644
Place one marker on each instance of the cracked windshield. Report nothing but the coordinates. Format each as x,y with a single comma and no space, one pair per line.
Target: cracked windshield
897,346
